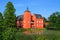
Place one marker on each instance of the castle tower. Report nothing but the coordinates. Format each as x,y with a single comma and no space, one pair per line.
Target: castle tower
27,19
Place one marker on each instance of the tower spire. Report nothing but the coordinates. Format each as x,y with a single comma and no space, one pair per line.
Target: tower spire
27,8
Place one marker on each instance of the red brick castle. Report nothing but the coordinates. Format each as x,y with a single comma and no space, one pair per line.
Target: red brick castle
29,20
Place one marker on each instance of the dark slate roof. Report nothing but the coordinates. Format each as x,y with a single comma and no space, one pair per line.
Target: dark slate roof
27,11
20,17
38,15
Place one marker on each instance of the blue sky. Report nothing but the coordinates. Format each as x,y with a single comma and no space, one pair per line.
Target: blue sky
43,7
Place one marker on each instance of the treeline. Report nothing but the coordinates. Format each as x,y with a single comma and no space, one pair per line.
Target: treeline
54,21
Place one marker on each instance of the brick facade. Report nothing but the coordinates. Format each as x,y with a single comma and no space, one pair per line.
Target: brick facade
29,20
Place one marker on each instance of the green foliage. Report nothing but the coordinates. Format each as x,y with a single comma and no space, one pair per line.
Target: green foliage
7,23
1,24
40,37
1,19
54,20
9,16
45,20
20,36
21,30
52,35
9,34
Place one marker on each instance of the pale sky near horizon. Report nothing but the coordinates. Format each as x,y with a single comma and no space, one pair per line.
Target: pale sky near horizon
43,7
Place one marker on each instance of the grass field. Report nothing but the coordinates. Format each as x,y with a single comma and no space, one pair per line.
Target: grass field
35,35
52,34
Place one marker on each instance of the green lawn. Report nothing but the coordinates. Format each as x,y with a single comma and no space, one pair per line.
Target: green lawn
35,35
52,34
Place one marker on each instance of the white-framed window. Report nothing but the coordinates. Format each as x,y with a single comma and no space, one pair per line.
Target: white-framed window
37,24
42,21
37,21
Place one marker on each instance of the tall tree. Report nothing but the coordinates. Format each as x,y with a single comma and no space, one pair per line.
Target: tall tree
9,16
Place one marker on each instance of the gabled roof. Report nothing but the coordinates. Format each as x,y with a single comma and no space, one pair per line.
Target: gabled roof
20,17
38,15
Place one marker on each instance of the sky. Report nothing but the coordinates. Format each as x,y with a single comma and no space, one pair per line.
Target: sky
43,7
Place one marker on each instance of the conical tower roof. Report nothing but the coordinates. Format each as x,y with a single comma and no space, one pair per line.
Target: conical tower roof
27,10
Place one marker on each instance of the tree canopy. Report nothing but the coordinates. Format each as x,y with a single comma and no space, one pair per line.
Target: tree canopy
9,15
54,20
